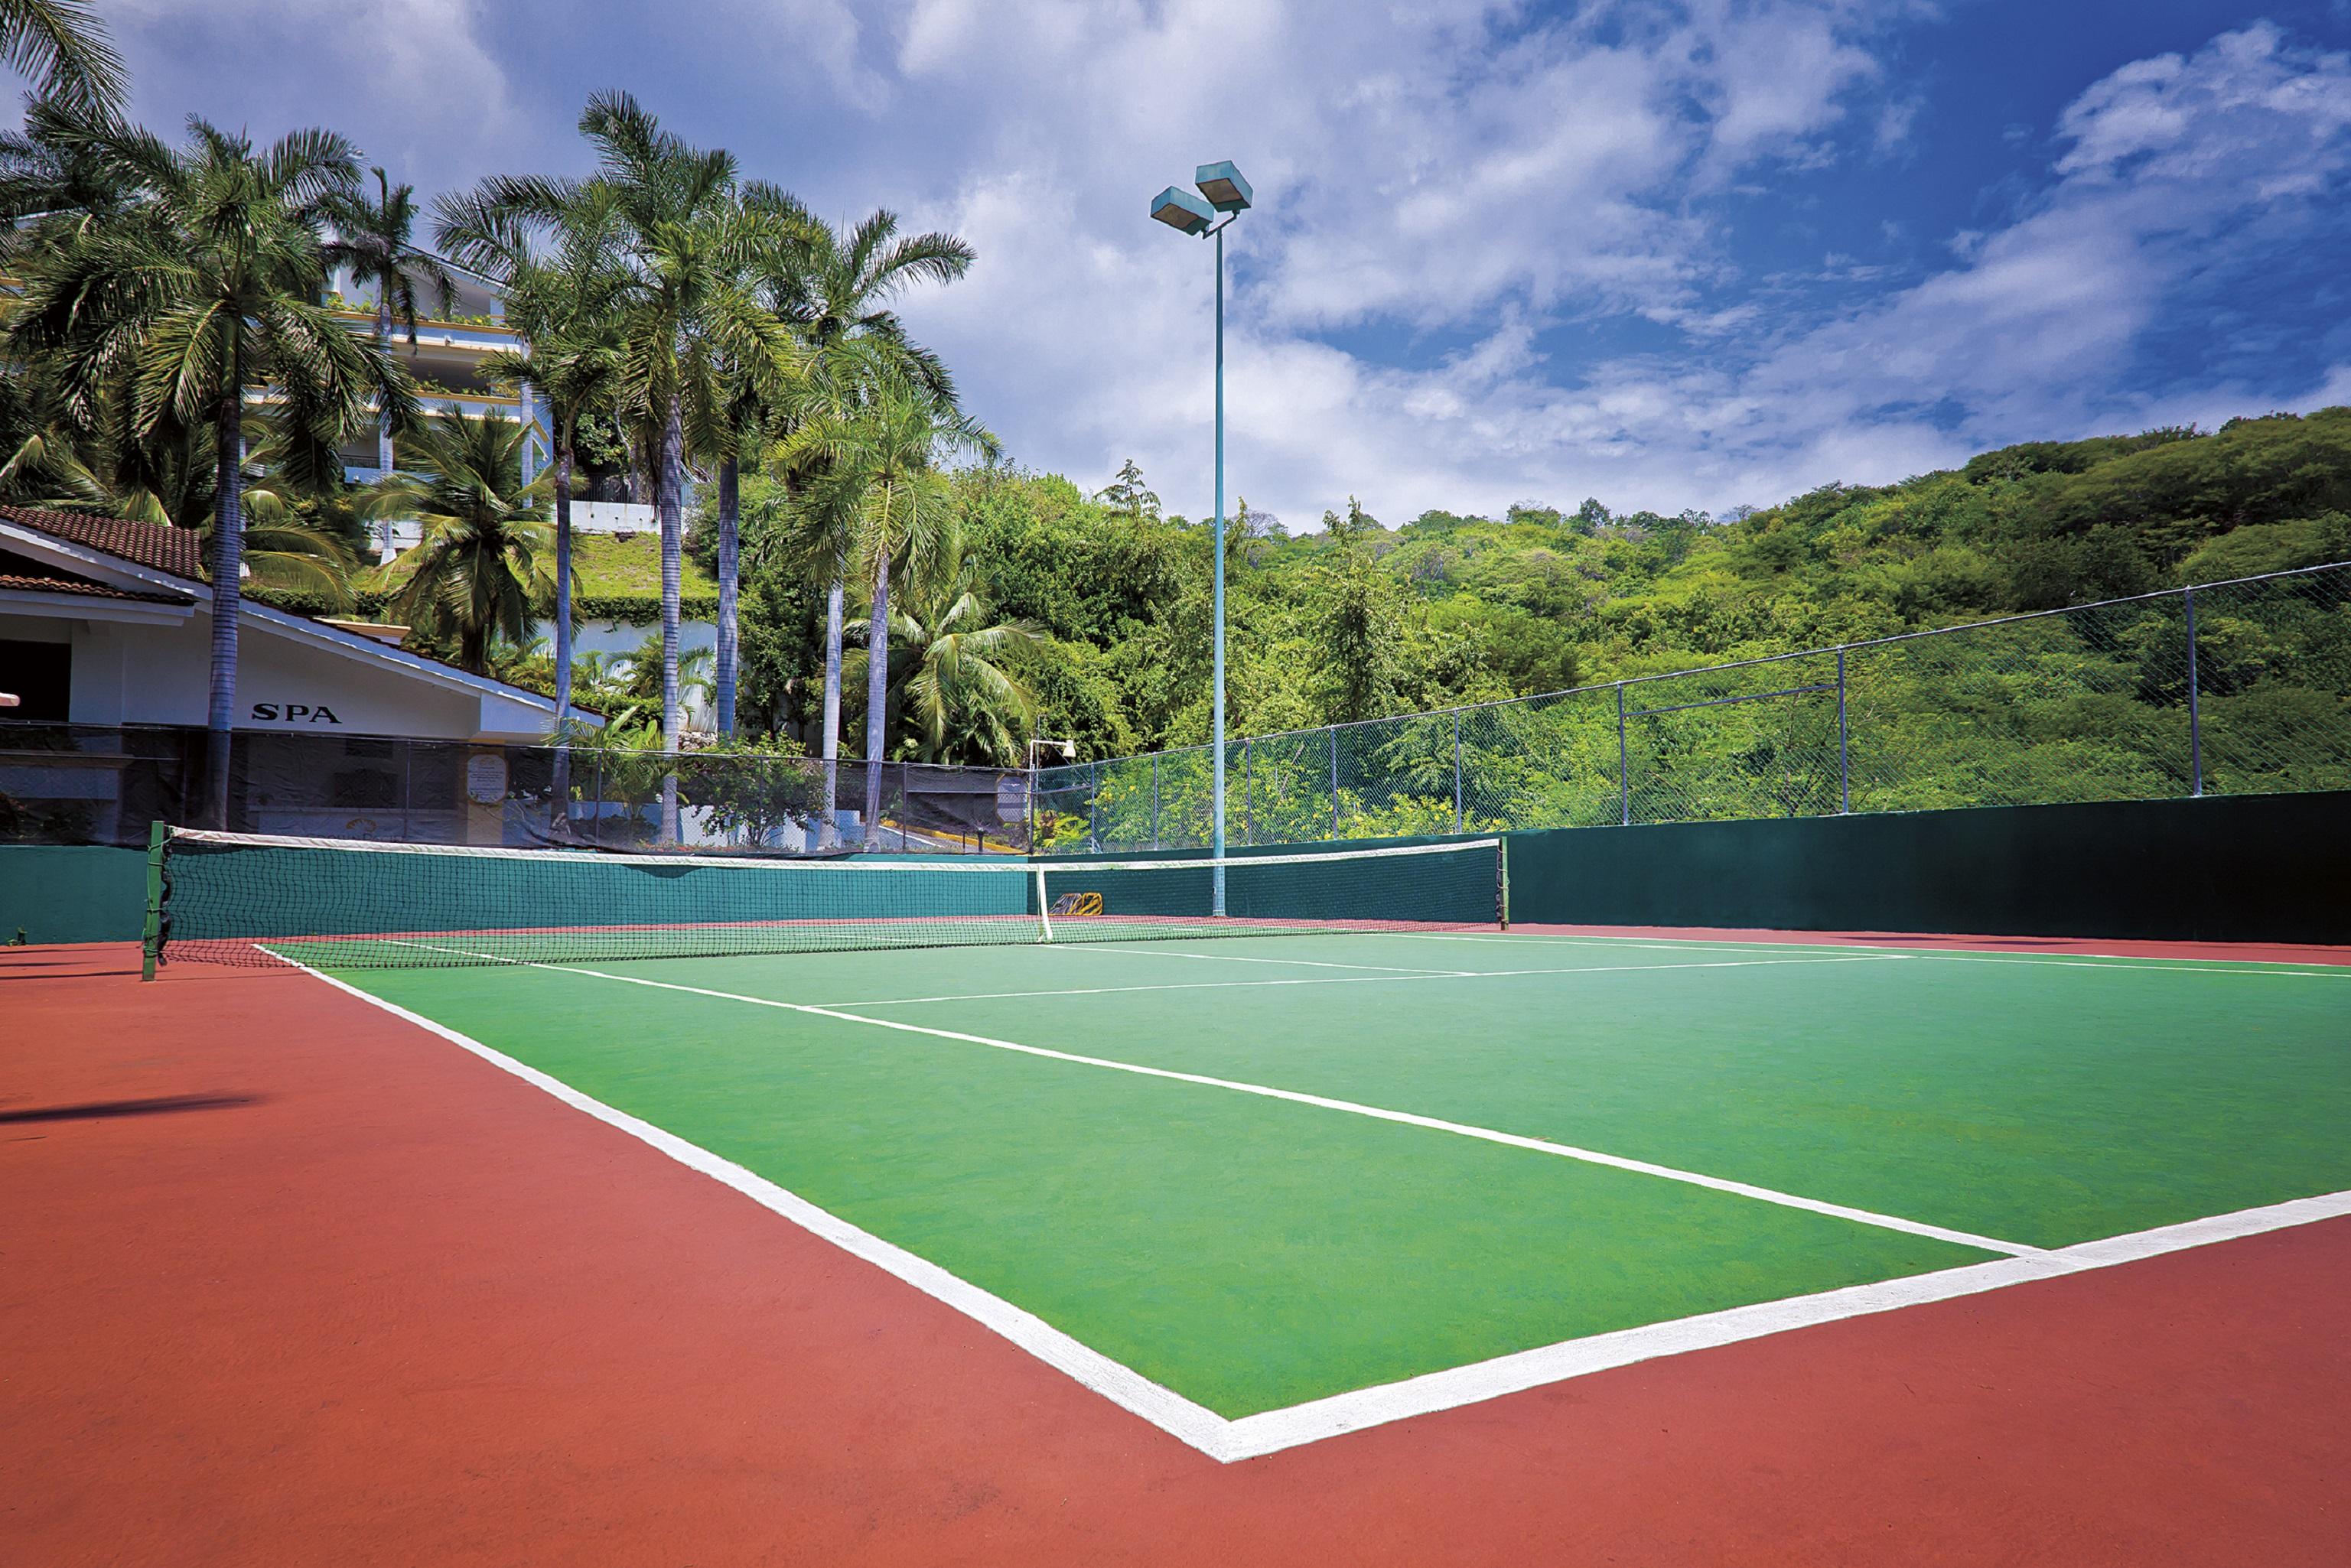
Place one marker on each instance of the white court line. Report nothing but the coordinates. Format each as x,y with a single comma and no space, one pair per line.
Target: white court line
1272,1431
1239,958
1353,980
2035,960
1352,1107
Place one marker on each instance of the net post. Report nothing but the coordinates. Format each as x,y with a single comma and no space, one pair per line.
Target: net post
2195,719
1044,910
1502,880
150,941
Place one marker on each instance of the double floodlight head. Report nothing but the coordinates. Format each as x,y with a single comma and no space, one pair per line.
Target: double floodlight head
1222,189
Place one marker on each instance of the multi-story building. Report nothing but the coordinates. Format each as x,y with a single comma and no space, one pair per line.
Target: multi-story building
447,358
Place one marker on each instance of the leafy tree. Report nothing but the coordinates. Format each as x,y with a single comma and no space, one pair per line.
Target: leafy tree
480,572
881,489
201,292
953,682
1129,494
1363,633
842,286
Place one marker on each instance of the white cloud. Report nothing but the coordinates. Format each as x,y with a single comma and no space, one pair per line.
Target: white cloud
1497,210
1456,197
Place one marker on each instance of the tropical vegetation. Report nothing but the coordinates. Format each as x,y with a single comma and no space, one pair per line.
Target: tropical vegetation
178,349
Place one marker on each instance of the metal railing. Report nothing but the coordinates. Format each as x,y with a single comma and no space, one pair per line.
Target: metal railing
2235,688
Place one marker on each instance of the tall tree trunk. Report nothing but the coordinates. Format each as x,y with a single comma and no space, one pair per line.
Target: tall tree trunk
563,626
828,833
729,504
877,694
228,563
383,418
669,496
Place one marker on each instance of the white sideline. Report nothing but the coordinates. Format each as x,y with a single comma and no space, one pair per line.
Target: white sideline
1170,1412
1252,1437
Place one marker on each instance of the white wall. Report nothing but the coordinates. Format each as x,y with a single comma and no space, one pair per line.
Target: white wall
145,673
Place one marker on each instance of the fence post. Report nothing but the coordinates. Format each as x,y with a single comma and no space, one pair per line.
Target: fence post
1623,778
1093,803
1154,799
2195,718
1334,781
1249,796
1456,771
1844,753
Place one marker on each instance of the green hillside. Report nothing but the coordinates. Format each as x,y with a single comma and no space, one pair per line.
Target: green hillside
1361,620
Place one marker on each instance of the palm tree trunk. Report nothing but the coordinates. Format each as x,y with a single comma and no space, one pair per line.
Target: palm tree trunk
729,555
228,562
877,694
562,809
829,833
384,420
669,496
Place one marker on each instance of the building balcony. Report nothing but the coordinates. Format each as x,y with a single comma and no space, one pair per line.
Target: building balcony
462,336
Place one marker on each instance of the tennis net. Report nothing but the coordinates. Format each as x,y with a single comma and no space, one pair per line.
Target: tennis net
241,898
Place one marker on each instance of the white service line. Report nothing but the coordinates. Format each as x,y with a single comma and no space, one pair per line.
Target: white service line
1241,958
1353,1108
1351,980
1252,1437
2036,960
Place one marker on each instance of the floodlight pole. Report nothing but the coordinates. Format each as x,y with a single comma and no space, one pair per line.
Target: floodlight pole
1216,706
1222,189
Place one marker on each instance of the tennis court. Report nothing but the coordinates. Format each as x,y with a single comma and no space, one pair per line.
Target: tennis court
1387,1155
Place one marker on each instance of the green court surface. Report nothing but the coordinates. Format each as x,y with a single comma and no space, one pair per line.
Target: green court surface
1253,1252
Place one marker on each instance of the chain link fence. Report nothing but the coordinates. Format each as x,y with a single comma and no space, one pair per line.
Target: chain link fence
2239,687
63,783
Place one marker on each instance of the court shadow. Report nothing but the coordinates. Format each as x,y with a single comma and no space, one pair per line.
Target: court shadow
99,1109
64,968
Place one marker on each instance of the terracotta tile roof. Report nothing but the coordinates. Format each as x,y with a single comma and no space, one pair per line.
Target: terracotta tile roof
160,547
29,582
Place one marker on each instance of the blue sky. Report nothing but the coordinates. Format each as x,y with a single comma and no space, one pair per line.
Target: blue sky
1679,253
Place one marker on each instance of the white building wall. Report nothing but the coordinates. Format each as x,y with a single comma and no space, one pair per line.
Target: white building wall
145,673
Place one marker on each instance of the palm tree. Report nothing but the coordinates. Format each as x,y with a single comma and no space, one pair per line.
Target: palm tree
63,45
203,292
554,266
881,494
684,313
843,288
479,573
372,241
950,685
749,397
